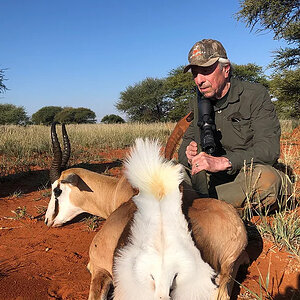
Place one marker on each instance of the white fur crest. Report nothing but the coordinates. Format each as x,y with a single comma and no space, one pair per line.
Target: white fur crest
161,261
147,170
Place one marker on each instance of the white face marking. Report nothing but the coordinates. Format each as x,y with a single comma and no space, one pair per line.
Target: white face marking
50,213
66,210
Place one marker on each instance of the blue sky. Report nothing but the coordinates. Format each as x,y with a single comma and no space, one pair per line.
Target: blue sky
84,53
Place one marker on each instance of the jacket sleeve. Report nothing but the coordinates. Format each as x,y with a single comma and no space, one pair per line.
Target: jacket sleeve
265,146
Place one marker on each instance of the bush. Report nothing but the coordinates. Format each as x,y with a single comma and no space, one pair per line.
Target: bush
12,114
112,119
45,115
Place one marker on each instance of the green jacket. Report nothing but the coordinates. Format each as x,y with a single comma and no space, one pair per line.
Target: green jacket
247,124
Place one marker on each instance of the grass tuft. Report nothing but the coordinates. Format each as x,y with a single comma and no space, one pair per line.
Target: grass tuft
93,222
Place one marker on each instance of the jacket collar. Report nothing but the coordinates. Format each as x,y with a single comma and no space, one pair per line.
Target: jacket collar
235,90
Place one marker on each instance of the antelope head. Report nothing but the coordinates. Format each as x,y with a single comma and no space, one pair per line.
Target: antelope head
60,209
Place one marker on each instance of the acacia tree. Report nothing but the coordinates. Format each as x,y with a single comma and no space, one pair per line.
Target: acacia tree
168,99
3,88
45,115
180,88
12,114
84,116
250,72
281,17
285,87
80,115
145,101
112,119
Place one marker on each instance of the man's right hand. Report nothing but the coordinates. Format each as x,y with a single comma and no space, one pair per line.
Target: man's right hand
191,151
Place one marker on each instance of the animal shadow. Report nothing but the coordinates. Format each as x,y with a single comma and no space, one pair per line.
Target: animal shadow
253,249
27,182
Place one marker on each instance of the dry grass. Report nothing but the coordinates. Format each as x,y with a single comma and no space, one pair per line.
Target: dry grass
22,148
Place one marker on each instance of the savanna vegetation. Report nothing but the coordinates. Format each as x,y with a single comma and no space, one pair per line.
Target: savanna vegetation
161,102
26,148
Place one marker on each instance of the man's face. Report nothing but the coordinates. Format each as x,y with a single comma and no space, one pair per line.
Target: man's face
211,80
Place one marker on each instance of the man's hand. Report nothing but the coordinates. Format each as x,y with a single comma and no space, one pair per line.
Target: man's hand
191,151
204,161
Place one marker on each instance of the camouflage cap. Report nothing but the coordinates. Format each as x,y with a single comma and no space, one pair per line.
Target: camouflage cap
205,53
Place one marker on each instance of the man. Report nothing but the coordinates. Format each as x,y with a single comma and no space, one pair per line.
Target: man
247,134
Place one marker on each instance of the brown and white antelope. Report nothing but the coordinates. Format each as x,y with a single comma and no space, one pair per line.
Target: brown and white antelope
141,234
77,190
216,228
158,258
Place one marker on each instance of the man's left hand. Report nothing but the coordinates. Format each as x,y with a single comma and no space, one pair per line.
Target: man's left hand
204,161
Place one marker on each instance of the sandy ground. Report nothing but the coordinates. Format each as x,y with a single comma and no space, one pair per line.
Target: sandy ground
37,262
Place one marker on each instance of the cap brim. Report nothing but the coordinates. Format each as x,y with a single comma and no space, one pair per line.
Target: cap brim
206,64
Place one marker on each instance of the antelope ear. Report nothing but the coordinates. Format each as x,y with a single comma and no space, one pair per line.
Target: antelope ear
72,179
76,180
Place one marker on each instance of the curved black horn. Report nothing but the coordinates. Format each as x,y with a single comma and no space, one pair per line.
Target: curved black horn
67,148
56,162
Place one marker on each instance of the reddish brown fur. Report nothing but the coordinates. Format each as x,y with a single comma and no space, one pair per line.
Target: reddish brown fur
179,130
217,229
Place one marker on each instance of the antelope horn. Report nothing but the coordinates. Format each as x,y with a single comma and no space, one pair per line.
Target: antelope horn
179,130
56,162
67,148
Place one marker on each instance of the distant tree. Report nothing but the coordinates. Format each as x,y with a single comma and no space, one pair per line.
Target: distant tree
250,72
281,17
45,115
3,88
168,99
112,119
81,115
67,115
84,115
145,101
180,88
12,114
285,87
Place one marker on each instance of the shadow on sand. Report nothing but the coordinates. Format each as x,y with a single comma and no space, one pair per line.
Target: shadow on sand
27,182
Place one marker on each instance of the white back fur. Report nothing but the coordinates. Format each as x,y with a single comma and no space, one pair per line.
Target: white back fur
160,261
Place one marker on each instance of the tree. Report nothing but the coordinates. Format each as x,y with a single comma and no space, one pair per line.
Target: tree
45,115
145,101
81,115
281,17
3,88
285,87
180,88
84,116
12,114
250,72
112,119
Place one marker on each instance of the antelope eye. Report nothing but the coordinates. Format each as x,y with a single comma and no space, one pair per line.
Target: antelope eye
57,192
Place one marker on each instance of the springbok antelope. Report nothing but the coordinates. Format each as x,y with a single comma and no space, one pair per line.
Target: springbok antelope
158,258
216,229
77,190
